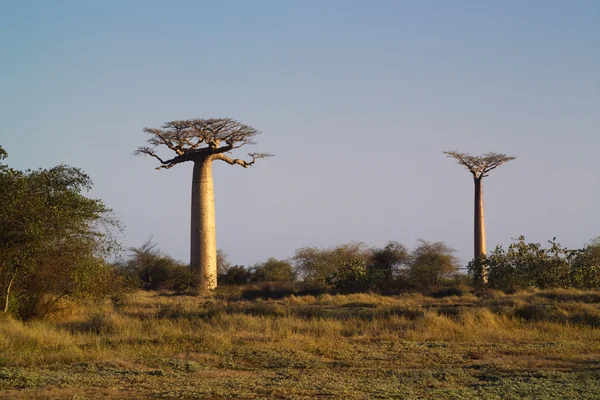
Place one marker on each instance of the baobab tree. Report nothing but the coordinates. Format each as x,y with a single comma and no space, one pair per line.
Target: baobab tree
479,166
202,141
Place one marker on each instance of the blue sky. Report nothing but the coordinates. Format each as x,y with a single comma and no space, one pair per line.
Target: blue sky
357,99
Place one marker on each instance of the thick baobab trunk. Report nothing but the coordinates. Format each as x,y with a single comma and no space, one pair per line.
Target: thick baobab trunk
479,227
203,246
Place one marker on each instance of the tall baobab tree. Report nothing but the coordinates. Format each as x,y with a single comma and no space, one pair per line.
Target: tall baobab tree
479,166
202,141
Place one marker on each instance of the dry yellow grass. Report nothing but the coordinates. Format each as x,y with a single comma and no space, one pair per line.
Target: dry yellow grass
180,346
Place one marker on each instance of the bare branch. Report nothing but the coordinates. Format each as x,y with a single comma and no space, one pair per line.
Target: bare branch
245,164
479,166
194,138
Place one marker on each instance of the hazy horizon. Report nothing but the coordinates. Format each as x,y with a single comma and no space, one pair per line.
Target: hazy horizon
356,100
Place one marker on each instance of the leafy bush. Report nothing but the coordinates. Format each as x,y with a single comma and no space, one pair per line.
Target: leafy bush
585,267
53,240
531,265
392,268
430,263
155,271
313,264
386,265
273,270
236,275
351,276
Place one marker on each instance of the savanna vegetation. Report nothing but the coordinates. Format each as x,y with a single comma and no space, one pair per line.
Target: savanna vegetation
446,344
83,319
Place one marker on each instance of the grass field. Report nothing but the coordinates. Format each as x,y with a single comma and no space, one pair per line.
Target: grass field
536,345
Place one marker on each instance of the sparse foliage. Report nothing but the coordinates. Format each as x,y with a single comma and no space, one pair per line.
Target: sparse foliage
223,263
430,263
479,166
196,138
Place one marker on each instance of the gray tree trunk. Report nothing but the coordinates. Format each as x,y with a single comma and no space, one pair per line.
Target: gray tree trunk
479,228
203,245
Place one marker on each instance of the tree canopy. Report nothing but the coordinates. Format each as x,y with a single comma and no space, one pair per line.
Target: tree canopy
479,166
52,238
194,139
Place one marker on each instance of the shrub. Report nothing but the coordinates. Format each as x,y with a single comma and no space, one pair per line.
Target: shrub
283,289
585,267
273,270
53,240
315,264
429,263
351,276
531,265
236,275
386,265
155,271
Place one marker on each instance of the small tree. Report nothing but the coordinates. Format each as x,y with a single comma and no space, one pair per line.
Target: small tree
53,239
274,270
315,265
387,261
223,263
585,266
154,270
351,276
430,263
479,167
202,141
531,265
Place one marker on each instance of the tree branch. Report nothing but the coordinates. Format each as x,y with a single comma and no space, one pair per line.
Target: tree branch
479,166
196,138
245,164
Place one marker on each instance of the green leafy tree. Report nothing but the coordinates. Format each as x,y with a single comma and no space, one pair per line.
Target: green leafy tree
313,264
155,270
585,266
351,276
526,264
274,270
236,275
387,261
430,263
53,239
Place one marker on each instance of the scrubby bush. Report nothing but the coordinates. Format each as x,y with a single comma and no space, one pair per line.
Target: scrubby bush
525,265
386,264
392,268
585,267
154,270
351,276
53,240
313,264
431,263
273,270
236,275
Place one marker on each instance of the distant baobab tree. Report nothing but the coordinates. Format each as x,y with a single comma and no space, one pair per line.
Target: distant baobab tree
202,141
479,166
